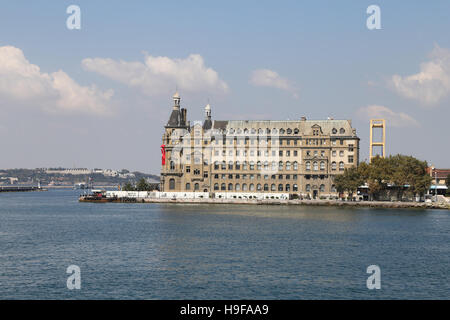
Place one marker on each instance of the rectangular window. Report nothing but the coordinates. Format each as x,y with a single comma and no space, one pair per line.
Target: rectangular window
205,174
295,153
288,153
280,153
350,148
350,159
188,169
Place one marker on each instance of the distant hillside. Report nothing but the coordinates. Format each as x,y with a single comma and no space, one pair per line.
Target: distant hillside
69,176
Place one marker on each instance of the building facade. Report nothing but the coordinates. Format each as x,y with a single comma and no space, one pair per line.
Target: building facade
295,157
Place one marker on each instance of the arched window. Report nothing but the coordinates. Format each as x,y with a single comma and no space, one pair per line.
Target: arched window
252,165
245,131
266,165
280,165
322,188
322,165
282,131
289,131
295,131
267,130
238,165
341,165
223,187
172,165
333,165
230,187
258,165
196,187
244,165
188,186
274,166
224,165
230,165
334,131
308,165
288,165
288,187
237,187
244,187
315,166
252,187
333,188
216,186
172,184
341,130
266,187
280,187
308,187
258,187
273,187
294,187
295,165
216,165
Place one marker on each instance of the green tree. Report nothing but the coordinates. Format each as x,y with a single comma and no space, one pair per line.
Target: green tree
142,185
348,181
128,187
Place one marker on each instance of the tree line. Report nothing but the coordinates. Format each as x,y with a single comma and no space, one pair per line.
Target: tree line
142,185
399,173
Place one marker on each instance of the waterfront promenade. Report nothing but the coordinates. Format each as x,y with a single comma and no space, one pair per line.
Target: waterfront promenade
326,203
367,204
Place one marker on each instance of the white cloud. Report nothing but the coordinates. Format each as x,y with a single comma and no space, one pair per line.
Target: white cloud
24,83
159,75
269,78
394,119
431,84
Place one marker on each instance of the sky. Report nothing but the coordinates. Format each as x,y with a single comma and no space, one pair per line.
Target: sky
99,96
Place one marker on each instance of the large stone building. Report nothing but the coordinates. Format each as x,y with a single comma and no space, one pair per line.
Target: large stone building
295,157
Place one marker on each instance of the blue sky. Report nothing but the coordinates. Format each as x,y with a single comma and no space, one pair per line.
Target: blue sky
323,61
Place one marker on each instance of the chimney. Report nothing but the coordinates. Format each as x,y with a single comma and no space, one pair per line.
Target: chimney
303,118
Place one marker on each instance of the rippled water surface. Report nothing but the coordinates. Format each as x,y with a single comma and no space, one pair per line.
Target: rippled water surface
155,251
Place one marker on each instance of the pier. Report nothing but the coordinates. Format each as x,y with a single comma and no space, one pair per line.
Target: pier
20,189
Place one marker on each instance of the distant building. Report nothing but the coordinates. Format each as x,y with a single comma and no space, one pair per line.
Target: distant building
73,171
439,176
294,157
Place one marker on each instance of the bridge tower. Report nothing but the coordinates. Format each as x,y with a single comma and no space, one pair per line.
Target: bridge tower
375,124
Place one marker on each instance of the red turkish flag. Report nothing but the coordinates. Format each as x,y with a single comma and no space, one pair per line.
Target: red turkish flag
163,154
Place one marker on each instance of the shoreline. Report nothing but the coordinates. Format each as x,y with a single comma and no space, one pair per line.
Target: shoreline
328,203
